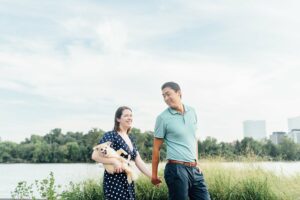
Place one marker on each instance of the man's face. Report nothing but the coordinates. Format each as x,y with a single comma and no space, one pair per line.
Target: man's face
171,97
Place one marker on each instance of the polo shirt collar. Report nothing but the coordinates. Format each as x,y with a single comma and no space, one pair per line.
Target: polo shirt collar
173,111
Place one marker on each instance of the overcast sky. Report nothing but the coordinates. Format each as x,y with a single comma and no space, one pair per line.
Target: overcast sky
71,64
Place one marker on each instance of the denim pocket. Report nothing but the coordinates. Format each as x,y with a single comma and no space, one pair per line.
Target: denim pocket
198,170
198,175
170,173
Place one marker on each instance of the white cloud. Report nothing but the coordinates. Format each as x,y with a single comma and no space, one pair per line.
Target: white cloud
113,35
98,57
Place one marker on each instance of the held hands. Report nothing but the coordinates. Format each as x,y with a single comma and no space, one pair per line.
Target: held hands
155,180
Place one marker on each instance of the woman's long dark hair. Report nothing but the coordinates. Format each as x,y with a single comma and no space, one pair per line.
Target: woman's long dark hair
118,115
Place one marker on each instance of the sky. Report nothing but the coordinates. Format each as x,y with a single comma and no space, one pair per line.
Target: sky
71,64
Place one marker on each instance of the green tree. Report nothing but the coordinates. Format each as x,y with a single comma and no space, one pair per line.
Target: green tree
41,153
249,146
271,150
8,152
73,152
209,147
288,149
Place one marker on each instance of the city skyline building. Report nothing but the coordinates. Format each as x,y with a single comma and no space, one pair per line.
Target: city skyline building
277,137
255,129
293,123
294,135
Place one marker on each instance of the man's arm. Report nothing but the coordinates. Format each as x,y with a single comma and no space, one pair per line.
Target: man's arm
155,160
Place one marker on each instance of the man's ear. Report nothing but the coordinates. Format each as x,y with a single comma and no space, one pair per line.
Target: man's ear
179,92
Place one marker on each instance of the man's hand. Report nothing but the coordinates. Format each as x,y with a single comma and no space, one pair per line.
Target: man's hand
155,180
199,169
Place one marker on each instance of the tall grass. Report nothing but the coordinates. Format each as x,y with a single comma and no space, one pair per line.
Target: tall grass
145,190
237,184
224,183
89,189
93,190
251,183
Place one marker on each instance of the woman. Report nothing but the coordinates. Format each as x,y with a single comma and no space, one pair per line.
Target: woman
116,185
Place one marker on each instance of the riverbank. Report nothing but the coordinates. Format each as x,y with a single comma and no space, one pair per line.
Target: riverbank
224,182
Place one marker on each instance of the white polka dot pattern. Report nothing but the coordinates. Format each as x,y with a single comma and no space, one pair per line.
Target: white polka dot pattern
115,185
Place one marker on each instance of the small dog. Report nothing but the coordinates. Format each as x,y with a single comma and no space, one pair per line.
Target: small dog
105,150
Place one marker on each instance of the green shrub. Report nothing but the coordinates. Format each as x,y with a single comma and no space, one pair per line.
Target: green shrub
89,190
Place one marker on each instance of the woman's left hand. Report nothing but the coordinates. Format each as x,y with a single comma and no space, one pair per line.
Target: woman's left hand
118,167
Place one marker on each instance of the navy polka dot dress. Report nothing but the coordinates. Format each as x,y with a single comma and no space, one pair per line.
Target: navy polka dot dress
115,185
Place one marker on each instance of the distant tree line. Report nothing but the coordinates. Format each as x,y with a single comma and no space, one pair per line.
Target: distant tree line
72,147
248,148
56,147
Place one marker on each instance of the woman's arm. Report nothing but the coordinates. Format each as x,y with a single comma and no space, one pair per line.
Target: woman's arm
142,166
100,159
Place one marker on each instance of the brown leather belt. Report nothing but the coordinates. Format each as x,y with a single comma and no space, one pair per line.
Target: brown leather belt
189,164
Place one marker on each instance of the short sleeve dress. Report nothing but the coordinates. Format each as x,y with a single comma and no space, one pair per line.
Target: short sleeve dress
115,186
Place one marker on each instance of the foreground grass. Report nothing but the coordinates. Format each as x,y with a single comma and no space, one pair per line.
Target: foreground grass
92,190
224,183
249,183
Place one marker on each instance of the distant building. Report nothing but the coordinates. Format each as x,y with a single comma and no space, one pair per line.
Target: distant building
255,129
294,135
294,123
277,137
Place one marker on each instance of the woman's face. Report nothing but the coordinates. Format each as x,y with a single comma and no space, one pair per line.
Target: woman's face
125,119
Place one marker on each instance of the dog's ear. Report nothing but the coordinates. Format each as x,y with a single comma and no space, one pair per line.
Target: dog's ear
95,148
108,143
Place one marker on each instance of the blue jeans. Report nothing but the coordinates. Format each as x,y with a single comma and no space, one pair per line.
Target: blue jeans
185,182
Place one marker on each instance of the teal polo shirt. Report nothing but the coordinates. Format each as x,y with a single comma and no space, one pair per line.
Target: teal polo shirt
179,133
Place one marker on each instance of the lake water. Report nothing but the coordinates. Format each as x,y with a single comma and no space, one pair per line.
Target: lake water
11,174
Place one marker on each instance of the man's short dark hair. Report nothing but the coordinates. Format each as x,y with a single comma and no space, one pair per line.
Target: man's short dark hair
174,86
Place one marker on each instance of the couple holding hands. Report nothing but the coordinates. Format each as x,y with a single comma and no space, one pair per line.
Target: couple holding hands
176,126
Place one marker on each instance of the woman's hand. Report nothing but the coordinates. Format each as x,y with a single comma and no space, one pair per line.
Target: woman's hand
118,166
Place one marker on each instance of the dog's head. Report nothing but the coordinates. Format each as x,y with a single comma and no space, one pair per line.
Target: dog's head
103,148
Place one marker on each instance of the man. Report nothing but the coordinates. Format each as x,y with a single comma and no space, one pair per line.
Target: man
176,126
